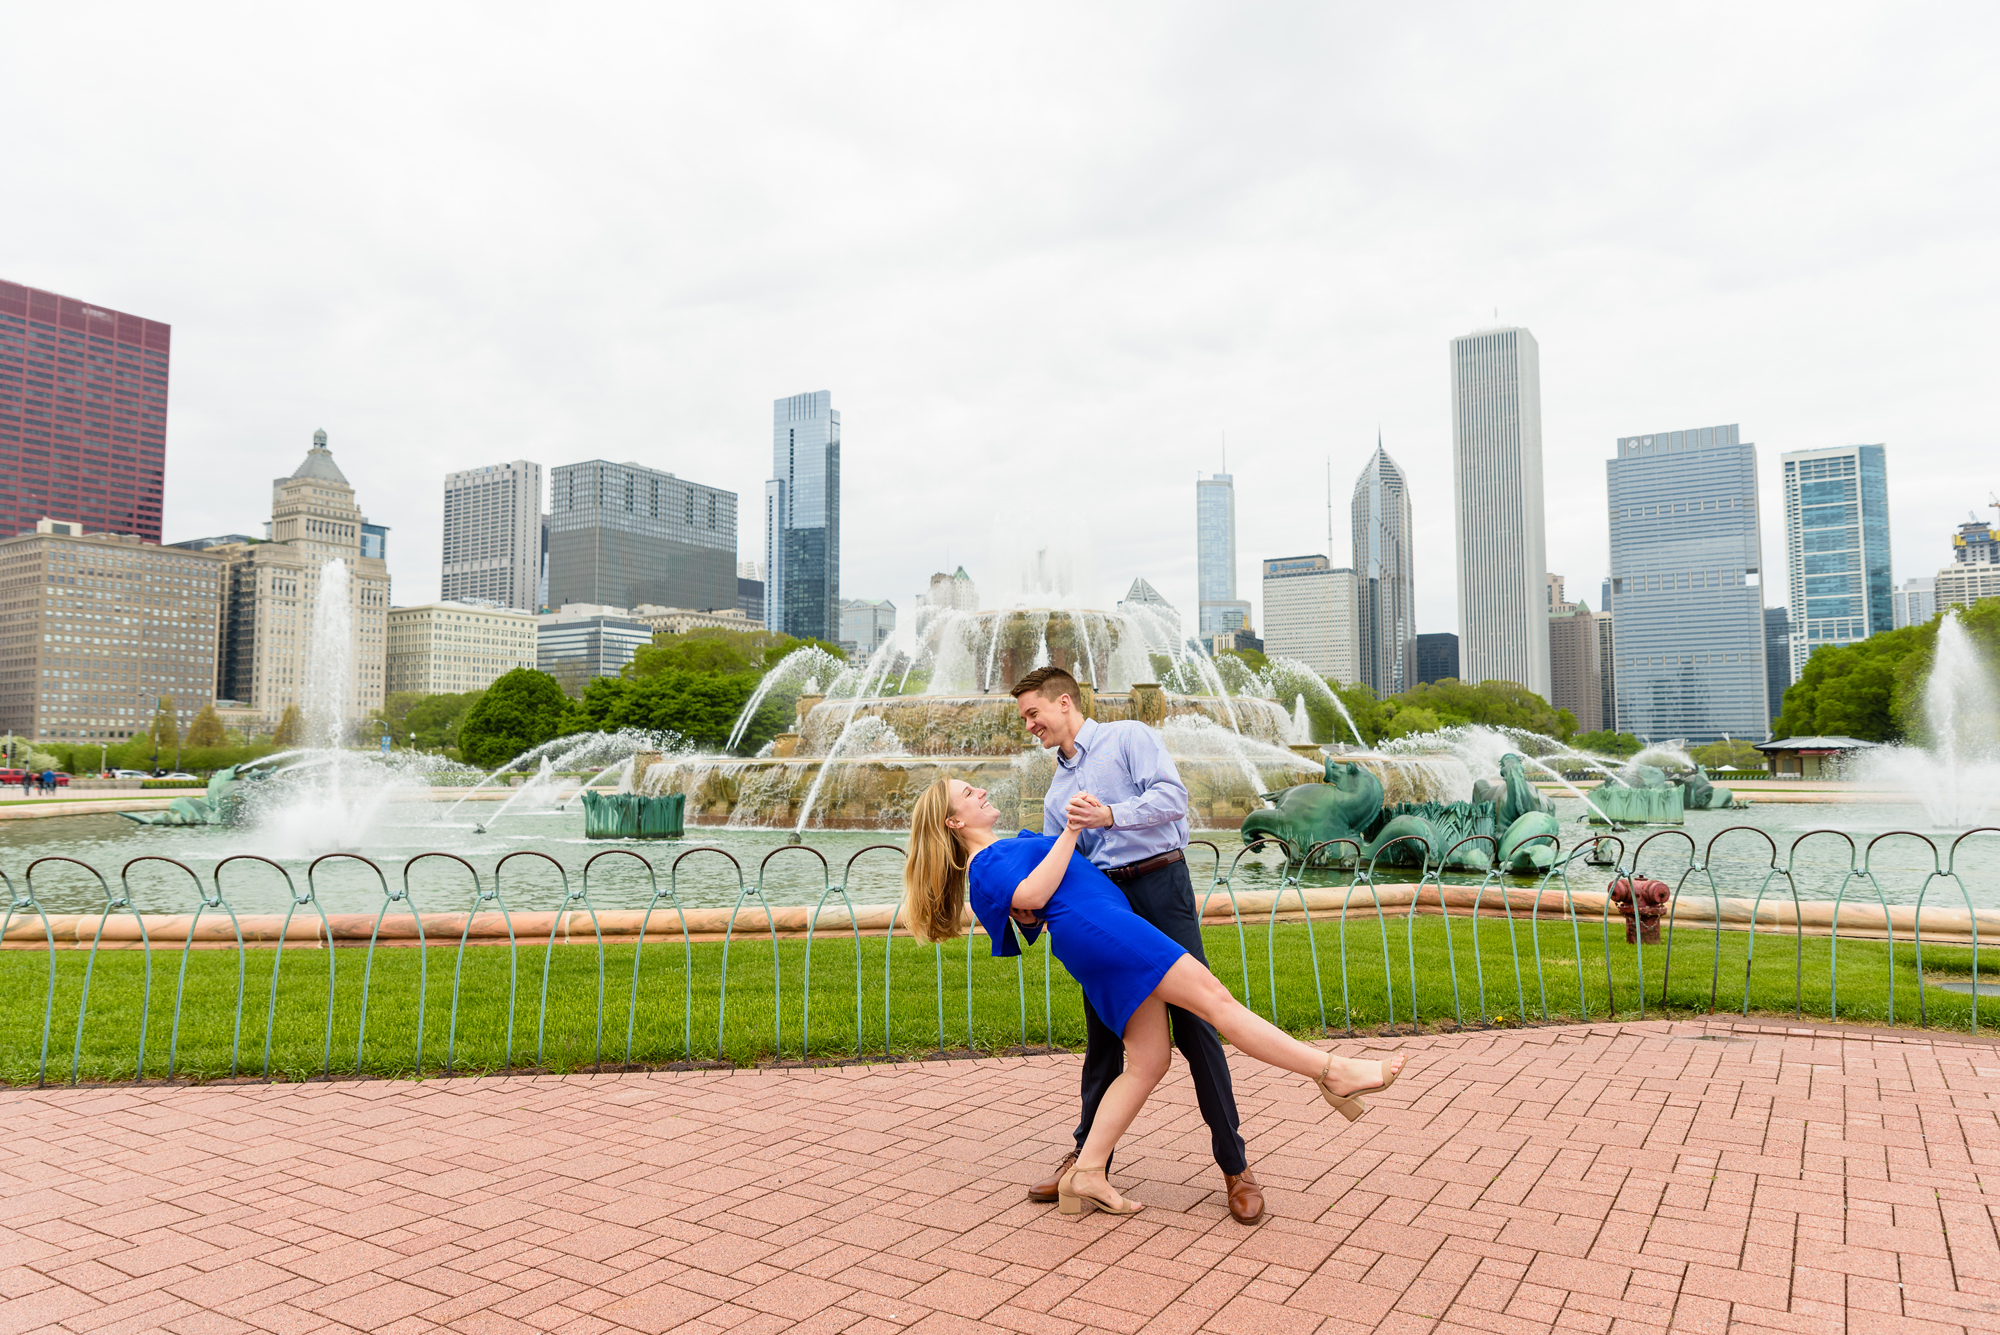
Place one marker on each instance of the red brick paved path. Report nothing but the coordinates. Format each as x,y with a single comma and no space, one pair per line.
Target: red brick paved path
1604,1178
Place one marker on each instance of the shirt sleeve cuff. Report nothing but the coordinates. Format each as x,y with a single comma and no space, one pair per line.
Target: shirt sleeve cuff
1125,815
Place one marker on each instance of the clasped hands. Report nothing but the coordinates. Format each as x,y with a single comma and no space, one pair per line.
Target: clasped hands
1083,812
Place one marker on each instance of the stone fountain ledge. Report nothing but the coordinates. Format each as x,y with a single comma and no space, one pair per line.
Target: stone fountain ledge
1758,792
90,806
622,926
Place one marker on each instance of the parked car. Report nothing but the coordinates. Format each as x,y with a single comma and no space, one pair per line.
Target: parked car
62,779
179,774
130,774
11,778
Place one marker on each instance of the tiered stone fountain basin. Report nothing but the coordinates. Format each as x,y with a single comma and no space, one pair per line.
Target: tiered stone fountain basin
897,746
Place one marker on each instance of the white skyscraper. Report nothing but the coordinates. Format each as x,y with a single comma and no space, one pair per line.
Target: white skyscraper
1311,614
1215,555
1496,449
493,535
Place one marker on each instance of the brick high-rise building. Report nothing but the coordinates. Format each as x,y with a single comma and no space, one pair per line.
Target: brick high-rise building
83,414
100,630
1576,670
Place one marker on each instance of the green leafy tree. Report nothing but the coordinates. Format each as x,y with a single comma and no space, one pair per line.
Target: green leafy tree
701,707
1250,658
164,735
1451,702
21,753
1847,690
207,729
1621,745
696,684
518,712
1733,754
435,720
291,729
1409,721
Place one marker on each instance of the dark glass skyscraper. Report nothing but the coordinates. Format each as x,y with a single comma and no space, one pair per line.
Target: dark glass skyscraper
802,518
1437,656
83,414
622,534
1777,657
1686,583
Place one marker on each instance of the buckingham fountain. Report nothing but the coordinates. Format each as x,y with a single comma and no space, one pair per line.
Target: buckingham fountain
867,739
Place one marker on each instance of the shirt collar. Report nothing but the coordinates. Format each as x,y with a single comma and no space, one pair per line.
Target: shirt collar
1083,741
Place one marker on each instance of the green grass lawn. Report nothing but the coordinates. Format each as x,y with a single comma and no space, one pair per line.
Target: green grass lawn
936,999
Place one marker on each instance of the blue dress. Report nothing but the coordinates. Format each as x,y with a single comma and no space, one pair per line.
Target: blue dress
1116,955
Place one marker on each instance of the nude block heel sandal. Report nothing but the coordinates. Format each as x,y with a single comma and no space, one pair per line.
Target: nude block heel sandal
1350,1106
1070,1201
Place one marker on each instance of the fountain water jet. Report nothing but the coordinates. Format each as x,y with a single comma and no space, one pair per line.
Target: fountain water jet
1956,773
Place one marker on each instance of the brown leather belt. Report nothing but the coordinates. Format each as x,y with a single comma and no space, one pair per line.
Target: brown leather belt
1132,871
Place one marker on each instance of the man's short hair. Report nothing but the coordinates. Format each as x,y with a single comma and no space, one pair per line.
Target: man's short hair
1051,683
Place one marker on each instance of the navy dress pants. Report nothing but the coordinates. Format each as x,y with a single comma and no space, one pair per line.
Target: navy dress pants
1165,898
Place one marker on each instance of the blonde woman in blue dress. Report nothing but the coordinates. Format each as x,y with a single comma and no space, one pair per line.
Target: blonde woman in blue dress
1128,969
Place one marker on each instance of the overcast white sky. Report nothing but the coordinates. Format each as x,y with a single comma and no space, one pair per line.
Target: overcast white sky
1044,256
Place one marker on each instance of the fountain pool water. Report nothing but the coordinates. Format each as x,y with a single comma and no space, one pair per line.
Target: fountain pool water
878,732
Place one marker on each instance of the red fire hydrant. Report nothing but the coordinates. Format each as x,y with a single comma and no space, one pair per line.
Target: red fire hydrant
1643,903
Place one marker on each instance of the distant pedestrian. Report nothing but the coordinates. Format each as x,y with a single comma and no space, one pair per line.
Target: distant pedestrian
27,783
49,781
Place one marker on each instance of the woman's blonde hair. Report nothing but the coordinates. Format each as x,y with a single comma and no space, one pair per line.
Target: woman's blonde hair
934,871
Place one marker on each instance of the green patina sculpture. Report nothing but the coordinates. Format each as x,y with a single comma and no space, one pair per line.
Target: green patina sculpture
1347,805
222,806
1512,795
1698,794
633,816
1651,798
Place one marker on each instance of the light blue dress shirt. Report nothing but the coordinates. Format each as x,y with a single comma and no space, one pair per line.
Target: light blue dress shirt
1124,765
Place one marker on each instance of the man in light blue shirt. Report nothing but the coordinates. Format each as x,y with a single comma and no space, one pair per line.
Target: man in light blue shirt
1118,779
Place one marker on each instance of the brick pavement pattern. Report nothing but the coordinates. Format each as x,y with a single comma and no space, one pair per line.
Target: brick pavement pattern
1634,1177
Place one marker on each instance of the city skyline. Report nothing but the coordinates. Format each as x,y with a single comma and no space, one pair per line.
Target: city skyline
1184,256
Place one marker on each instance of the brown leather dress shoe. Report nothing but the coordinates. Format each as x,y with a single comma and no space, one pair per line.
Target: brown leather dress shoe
1045,1192
1246,1198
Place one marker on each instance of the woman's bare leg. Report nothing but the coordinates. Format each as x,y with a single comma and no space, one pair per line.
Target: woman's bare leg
1145,1062
1193,988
